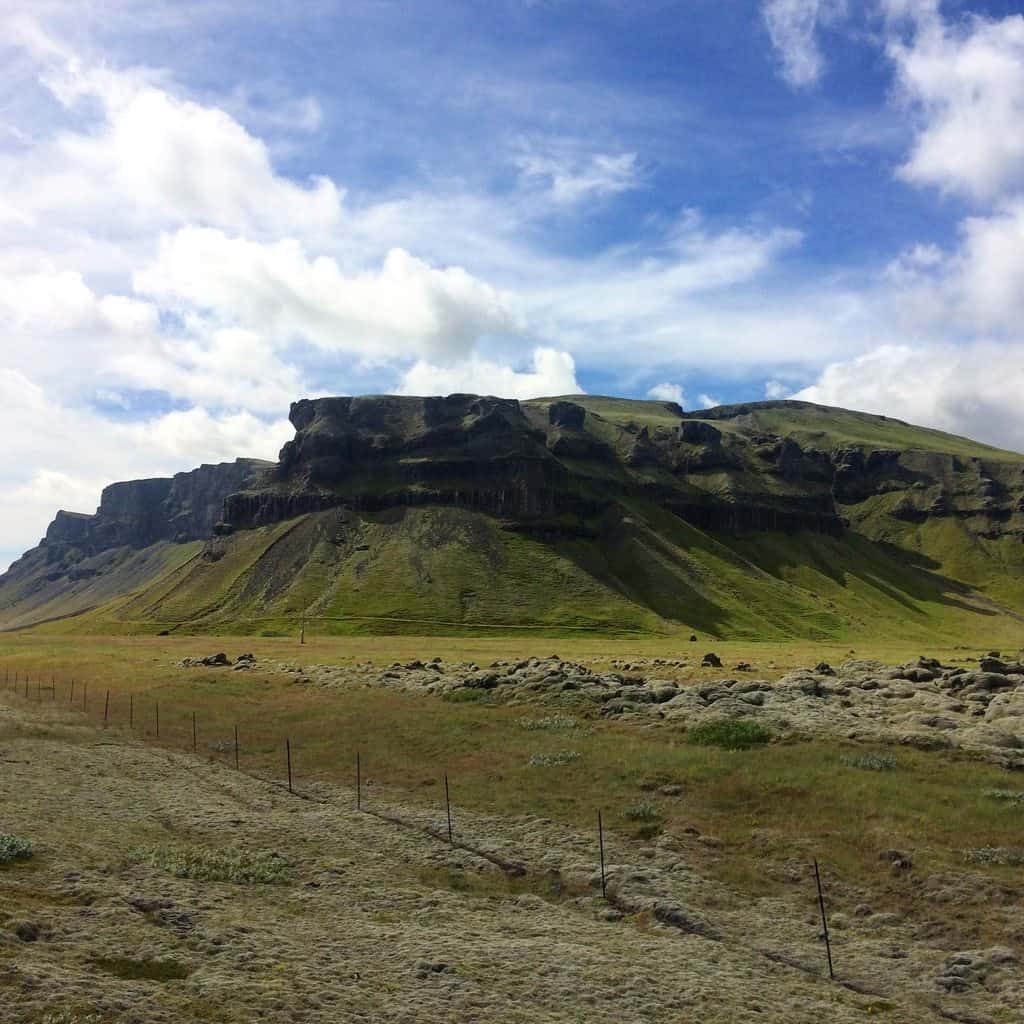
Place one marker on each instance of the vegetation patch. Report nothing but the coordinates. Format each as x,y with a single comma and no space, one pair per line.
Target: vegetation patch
553,759
1003,856
549,723
141,970
870,762
202,865
13,847
729,734
464,695
644,811
1013,797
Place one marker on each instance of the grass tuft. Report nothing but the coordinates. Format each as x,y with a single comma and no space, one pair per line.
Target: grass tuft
1013,797
239,866
643,812
1004,856
552,760
730,734
870,762
13,847
465,695
142,970
549,723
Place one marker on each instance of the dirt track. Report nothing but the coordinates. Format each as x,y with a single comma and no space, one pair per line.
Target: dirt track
384,922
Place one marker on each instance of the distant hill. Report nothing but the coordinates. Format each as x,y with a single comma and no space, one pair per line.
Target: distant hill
389,514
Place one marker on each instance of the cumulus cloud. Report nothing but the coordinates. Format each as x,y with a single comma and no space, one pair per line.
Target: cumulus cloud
59,456
551,373
793,28
668,392
404,308
965,85
970,390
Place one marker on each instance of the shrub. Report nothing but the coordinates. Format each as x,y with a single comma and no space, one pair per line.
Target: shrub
551,760
240,866
729,733
464,695
643,812
1004,856
13,847
551,723
1014,797
870,762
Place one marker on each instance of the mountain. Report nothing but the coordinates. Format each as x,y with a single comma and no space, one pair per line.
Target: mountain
389,514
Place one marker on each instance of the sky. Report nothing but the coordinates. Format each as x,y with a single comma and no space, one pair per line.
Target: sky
209,210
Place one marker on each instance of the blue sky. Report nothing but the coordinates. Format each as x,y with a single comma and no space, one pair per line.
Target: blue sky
208,210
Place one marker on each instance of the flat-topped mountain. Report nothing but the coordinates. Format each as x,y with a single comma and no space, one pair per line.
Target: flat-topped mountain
395,513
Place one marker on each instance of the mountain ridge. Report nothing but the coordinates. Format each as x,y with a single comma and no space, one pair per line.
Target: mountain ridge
450,509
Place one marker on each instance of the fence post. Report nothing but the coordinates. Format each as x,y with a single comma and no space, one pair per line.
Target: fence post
600,840
106,708
195,745
158,719
131,710
359,784
236,748
824,920
448,809
288,750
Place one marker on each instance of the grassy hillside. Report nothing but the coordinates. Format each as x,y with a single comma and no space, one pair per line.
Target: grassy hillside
435,571
625,564
823,426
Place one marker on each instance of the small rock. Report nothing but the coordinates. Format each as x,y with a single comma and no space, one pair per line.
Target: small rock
27,931
897,861
711,660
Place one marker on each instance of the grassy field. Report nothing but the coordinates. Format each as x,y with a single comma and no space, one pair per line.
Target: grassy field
766,807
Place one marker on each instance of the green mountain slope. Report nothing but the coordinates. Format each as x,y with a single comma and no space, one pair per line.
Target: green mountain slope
774,520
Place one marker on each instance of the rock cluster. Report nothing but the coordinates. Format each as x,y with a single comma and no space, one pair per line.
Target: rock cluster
922,703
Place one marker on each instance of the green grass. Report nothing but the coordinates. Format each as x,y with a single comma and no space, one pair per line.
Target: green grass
729,734
243,867
14,848
129,969
826,426
765,804
870,762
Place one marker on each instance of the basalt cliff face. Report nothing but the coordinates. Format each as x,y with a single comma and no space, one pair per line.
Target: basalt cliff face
556,463
628,504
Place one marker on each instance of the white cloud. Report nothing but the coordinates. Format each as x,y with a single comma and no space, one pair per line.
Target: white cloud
406,308
976,289
793,27
705,401
551,373
61,456
972,390
153,159
668,392
571,180
774,389
965,84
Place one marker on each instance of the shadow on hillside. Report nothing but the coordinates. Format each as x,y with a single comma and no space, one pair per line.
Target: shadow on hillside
904,576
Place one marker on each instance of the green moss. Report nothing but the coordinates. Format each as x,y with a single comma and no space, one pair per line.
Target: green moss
729,734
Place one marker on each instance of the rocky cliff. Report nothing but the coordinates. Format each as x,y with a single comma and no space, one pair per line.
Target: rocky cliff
564,460
770,516
137,514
